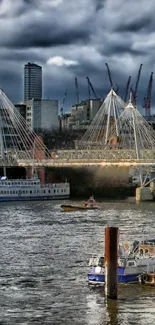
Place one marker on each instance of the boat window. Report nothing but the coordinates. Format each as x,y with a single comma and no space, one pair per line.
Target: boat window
146,251
13,192
10,192
54,191
44,191
57,191
30,192
49,191
64,190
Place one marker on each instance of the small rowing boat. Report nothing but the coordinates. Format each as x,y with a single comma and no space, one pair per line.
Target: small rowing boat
89,205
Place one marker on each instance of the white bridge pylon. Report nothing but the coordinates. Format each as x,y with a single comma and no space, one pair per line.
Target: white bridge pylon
135,133
120,128
98,132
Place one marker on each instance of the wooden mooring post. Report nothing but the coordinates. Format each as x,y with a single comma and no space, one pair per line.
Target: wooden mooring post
111,261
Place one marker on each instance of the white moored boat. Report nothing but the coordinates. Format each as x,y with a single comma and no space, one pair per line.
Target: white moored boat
31,189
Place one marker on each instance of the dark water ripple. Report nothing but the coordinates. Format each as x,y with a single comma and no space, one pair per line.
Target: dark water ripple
43,265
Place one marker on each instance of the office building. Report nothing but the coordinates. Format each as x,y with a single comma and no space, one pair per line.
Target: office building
81,115
32,81
42,114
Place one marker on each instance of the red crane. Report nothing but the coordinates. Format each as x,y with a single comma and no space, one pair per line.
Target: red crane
147,99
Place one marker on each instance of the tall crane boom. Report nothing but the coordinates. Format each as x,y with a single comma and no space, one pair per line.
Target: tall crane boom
127,89
77,90
137,82
147,99
109,75
92,88
62,110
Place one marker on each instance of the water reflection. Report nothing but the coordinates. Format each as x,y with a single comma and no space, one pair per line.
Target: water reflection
43,265
112,309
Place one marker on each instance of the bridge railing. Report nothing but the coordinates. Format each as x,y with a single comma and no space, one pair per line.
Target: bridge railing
105,154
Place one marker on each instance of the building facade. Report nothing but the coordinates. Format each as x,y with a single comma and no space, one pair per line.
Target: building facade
42,114
81,114
32,81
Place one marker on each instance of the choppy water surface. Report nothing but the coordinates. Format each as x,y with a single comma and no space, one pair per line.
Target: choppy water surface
43,264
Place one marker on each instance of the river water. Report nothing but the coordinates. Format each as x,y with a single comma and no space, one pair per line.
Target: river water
43,264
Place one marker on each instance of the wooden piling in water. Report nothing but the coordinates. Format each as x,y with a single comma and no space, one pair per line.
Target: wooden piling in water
111,261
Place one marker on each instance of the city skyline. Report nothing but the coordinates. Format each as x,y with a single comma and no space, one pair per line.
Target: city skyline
69,41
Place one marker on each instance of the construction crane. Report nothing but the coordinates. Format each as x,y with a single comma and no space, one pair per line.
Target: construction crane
90,86
110,79
137,83
62,110
127,89
77,90
147,99
109,75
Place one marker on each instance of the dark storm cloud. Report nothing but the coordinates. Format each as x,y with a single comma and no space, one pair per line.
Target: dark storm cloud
135,25
50,35
99,4
81,36
40,27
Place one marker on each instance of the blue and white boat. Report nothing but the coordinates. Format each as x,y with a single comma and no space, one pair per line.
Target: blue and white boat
32,190
130,266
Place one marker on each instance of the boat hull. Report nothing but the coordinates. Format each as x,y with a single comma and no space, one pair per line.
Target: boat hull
99,279
76,208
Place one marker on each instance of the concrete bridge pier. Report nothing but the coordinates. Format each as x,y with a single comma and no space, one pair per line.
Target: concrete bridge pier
145,193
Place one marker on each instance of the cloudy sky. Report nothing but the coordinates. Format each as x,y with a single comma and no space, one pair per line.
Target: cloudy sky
75,39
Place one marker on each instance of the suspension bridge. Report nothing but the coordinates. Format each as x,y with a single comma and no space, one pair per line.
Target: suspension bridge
117,136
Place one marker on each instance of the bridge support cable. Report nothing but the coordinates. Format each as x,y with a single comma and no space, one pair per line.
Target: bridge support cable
136,135
16,137
136,145
97,133
108,120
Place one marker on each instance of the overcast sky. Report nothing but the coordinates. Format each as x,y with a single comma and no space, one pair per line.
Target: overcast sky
75,39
